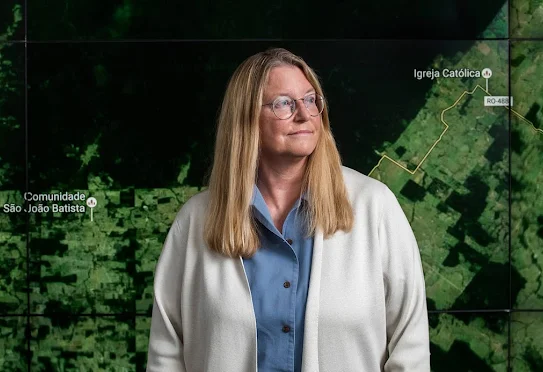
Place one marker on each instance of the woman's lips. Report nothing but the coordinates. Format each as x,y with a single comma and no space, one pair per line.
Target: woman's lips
301,132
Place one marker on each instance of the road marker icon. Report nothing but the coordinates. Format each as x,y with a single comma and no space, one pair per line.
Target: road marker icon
487,74
91,202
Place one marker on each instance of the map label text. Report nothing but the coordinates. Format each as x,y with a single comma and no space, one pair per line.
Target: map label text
446,73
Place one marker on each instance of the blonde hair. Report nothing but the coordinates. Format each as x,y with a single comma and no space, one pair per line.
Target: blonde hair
230,228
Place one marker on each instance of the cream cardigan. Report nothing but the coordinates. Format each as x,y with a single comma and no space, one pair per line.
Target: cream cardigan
366,306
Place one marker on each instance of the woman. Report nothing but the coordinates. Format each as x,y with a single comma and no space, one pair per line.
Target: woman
289,261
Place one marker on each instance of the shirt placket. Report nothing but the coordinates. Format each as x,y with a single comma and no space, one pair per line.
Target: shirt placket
288,242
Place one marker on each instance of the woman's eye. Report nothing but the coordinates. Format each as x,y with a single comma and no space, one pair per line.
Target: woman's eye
310,99
282,103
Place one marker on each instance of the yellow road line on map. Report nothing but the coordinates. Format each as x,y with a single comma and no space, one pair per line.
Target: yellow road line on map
446,128
536,130
516,113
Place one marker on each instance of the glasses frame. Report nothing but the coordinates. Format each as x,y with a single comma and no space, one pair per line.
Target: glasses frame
317,96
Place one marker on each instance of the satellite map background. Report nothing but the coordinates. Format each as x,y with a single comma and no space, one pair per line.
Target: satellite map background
118,100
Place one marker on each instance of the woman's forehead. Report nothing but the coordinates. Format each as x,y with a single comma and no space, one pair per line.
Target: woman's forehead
287,80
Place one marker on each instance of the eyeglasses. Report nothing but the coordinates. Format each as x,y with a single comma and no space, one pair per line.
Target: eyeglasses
284,106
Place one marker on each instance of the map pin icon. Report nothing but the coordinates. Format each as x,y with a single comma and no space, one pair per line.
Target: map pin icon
91,202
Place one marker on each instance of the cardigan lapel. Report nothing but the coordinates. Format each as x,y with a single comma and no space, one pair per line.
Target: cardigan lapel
310,354
253,319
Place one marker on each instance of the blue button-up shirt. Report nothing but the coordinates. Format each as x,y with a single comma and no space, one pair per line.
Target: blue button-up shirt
278,276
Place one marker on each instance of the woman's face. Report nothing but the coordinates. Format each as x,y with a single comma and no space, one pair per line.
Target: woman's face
296,137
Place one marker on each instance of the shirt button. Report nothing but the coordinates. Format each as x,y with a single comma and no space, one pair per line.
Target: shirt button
289,241
286,329
286,284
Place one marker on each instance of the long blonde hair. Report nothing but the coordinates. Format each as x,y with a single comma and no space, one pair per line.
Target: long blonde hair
230,228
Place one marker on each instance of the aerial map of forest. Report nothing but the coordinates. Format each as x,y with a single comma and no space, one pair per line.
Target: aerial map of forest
107,126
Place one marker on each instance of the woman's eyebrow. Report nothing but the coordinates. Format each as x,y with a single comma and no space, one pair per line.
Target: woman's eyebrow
310,90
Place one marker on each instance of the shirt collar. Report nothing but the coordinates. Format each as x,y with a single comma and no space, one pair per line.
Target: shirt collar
258,199
262,211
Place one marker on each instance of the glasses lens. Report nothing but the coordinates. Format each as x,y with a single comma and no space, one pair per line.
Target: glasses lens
314,104
283,107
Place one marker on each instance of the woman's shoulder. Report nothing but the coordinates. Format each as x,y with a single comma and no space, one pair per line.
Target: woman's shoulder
373,197
359,184
194,207
368,194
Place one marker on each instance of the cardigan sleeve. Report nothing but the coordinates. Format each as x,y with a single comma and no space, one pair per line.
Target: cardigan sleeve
406,311
165,351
